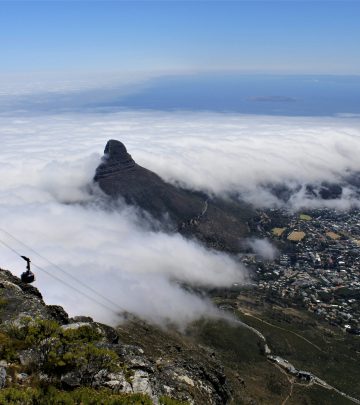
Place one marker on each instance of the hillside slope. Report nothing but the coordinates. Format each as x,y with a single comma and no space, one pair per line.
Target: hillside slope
40,346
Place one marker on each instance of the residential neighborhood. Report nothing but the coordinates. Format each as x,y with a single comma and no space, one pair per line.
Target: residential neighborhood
318,266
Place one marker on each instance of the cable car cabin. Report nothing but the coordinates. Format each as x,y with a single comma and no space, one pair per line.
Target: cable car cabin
27,277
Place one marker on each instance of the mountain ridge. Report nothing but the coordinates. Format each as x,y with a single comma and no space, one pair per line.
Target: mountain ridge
216,222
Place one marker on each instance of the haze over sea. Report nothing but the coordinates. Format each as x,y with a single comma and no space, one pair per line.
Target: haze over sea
287,95
250,94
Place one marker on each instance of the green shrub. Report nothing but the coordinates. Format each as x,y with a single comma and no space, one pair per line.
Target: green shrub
39,330
85,357
169,401
9,347
59,350
81,396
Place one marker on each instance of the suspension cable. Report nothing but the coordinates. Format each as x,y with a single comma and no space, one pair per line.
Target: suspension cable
117,312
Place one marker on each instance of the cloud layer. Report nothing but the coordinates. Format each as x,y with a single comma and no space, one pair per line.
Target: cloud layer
263,248
47,163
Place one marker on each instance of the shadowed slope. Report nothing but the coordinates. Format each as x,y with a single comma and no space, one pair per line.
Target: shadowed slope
118,175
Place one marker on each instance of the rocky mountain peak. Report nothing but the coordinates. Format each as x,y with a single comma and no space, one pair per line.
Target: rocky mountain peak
115,160
116,150
218,223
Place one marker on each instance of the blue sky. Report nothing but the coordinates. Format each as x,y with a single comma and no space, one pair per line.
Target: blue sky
255,36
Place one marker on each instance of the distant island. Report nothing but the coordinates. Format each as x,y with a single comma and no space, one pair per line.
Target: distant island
270,99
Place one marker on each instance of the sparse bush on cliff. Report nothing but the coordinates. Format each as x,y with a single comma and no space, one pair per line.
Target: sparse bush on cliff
57,350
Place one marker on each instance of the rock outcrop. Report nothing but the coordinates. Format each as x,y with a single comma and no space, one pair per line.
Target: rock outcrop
116,160
19,300
347,186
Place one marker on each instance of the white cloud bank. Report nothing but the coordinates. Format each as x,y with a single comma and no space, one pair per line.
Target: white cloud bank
47,161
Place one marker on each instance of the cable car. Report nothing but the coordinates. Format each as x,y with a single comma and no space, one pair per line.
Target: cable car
28,276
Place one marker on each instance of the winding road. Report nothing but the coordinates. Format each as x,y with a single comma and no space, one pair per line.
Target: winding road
284,366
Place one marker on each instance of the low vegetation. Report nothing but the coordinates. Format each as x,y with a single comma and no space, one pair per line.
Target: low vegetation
80,396
55,351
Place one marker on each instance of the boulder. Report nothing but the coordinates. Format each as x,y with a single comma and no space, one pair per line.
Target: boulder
2,377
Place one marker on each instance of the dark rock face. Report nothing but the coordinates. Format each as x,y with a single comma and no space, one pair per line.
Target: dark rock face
330,191
3,374
321,191
183,363
115,160
58,313
21,299
217,223
325,191
119,176
353,179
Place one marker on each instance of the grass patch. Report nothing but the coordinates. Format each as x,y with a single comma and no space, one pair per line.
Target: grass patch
296,236
170,401
278,231
333,235
81,396
316,395
241,353
233,341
